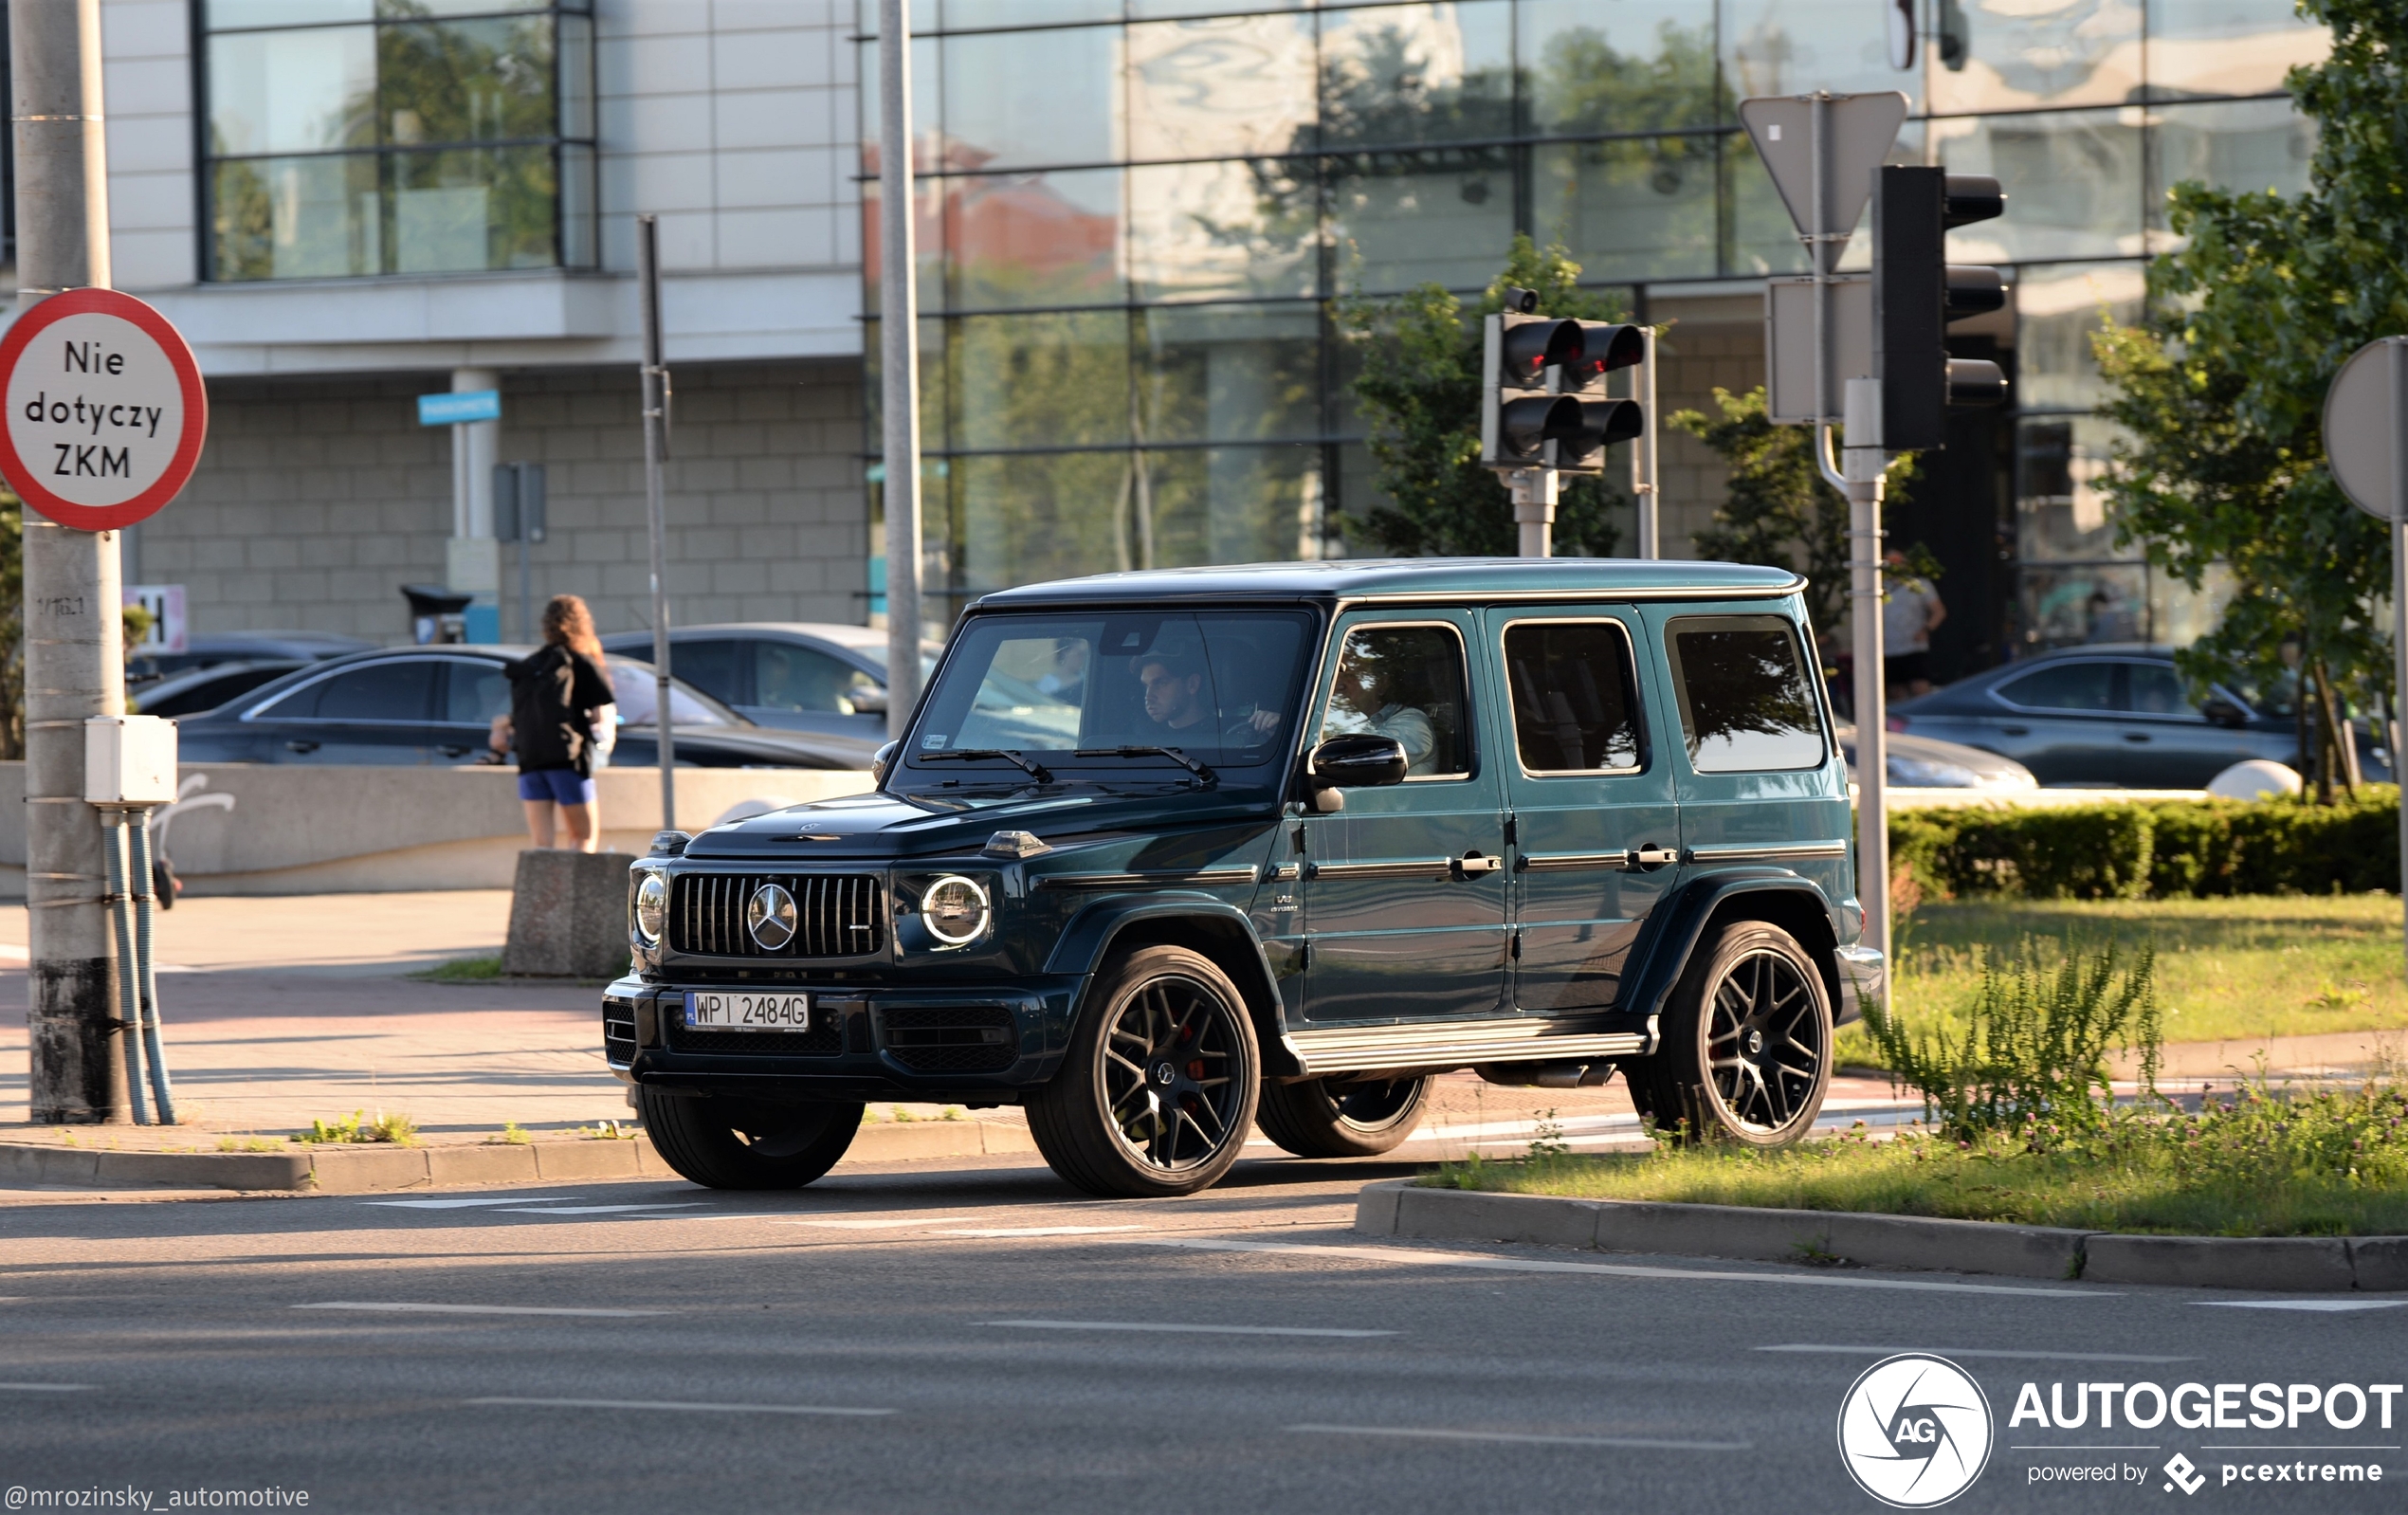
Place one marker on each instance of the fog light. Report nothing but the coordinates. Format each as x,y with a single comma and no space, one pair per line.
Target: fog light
955,910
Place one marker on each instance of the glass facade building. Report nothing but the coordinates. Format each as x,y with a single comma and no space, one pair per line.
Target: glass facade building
1132,216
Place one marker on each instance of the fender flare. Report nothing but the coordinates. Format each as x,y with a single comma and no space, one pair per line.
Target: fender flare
1676,926
1100,925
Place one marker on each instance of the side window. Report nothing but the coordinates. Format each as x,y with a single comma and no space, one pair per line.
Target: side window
476,692
1574,696
299,705
2081,684
786,677
402,690
710,667
1405,681
1746,703
2156,690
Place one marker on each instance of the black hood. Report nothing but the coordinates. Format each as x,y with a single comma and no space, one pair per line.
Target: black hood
890,826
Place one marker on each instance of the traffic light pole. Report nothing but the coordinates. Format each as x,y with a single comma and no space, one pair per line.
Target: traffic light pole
1642,466
1534,494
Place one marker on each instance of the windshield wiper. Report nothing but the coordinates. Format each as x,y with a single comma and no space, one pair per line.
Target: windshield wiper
1202,774
1035,771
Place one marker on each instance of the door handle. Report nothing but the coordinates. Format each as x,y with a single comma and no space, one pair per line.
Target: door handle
1649,855
453,752
1471,863
2136,736
301,746
2014,731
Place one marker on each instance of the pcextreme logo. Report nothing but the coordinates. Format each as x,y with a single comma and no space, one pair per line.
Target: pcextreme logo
1915,1431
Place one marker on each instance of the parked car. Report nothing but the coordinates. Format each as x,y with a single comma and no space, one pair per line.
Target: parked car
210,648
1919,762
2116,716
1167,854
436,704
798,675
194,690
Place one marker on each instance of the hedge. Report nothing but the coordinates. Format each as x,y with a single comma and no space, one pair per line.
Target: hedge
2158,850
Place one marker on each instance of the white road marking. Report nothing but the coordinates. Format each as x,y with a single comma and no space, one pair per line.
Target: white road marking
600,1210
1532,1264
1207,1330
471,1310
1037,1230
1977,1352
676,1404
45,1388
895,1222
1657,1443
470,1204
2323,1306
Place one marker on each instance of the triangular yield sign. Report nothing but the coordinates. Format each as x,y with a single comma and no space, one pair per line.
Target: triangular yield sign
1861,129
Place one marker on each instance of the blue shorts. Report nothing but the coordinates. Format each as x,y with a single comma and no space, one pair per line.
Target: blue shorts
561,786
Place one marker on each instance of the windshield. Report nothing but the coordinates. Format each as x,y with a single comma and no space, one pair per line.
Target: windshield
633,681
1218,686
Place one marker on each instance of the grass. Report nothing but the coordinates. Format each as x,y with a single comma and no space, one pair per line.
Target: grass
2238,969
255,1143
397,1130
462,970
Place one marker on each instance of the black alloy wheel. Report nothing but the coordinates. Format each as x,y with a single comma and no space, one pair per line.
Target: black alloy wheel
727,1144
1357,1117
1745,1054
1157,1093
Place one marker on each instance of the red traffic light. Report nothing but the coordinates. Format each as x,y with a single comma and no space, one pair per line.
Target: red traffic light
1532,347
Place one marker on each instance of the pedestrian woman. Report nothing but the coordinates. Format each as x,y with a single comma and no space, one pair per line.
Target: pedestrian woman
556,695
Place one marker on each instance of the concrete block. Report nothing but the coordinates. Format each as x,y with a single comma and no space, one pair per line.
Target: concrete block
997,1137
904,1140
33,1165
202,1170
568,915
1712,1231
2303,1264
586,1160
1376,1207
1958,1246
364,1170
500,1163
1471,1216
2379,1261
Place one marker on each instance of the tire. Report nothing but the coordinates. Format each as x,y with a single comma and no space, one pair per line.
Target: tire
1361,1118
725,1143
1746,1055
1100,1120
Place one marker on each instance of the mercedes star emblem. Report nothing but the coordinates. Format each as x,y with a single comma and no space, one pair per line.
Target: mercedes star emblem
769,917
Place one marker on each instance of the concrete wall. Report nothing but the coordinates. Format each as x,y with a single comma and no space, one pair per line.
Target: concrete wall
315,499
370,830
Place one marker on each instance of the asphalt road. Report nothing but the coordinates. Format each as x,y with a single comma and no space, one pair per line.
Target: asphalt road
983,1339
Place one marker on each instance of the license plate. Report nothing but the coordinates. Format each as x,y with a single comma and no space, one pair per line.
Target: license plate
748,1013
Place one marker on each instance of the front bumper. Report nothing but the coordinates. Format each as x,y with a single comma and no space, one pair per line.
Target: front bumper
1863,975
978,1043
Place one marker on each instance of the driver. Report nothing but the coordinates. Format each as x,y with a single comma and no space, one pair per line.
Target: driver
1175,698
1356,704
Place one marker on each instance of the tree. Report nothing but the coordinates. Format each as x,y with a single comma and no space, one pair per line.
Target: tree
2222,385
1419,388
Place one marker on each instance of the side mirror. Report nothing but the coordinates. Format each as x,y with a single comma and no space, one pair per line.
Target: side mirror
2224,712
880,761
1358,761
868,701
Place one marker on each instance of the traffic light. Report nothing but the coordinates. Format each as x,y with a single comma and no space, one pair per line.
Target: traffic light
1917,293
1542,401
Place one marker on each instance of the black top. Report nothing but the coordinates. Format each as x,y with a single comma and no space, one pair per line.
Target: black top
552,692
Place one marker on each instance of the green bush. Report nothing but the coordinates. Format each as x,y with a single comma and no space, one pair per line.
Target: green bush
2159,851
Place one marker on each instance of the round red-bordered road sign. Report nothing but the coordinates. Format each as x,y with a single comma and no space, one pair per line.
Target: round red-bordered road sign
106,410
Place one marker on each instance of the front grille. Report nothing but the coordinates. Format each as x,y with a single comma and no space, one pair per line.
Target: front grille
618,1031
825,1038
837,915
946,1039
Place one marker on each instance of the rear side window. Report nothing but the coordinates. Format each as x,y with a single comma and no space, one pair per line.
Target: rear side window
2079,686
1575,707
2155,689
787,677
478,692
378,691
1746,703
710,667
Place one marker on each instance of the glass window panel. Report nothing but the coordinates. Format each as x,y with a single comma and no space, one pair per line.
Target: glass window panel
576,76
1631,208
963,15
2079,604
1746,705
2155,689
468,82
292,91
2084,684
1230,505
2056,311
473,209
790,677
1147,9
580,247
1621,65
1042,381
1229,373
933,385
1215,231
431,9
1021,520
926,69
1576,701
475,693
225,13
402,690
2180,616
295,218
1405,682
2228,46
1035,239
2006,55
927,239
714,666
924,20
2062,512
2072,183
1429,73
1231,87
1405,220
1017,99
1796,46
2241,145
1759,237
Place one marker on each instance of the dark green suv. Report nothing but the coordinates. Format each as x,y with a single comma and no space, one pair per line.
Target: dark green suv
1167,856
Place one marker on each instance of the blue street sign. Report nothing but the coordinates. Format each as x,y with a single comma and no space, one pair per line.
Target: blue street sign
458,407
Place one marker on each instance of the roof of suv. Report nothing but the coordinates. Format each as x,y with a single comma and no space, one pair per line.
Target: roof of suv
1418,578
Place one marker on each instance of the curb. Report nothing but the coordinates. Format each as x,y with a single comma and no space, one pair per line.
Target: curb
1398,1207
352,1170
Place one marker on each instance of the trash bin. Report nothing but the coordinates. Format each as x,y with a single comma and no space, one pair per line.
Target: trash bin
436,614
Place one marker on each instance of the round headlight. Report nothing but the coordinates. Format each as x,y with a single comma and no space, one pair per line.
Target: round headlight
955,910
651,906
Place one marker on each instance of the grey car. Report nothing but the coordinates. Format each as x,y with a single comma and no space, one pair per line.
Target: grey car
814,676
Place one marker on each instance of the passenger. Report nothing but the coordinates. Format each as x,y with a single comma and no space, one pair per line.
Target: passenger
1359,704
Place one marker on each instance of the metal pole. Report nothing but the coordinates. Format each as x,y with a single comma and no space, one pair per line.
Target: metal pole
1534,500
2400,594
74,642
648,278
1864,485
899,354
1643,462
